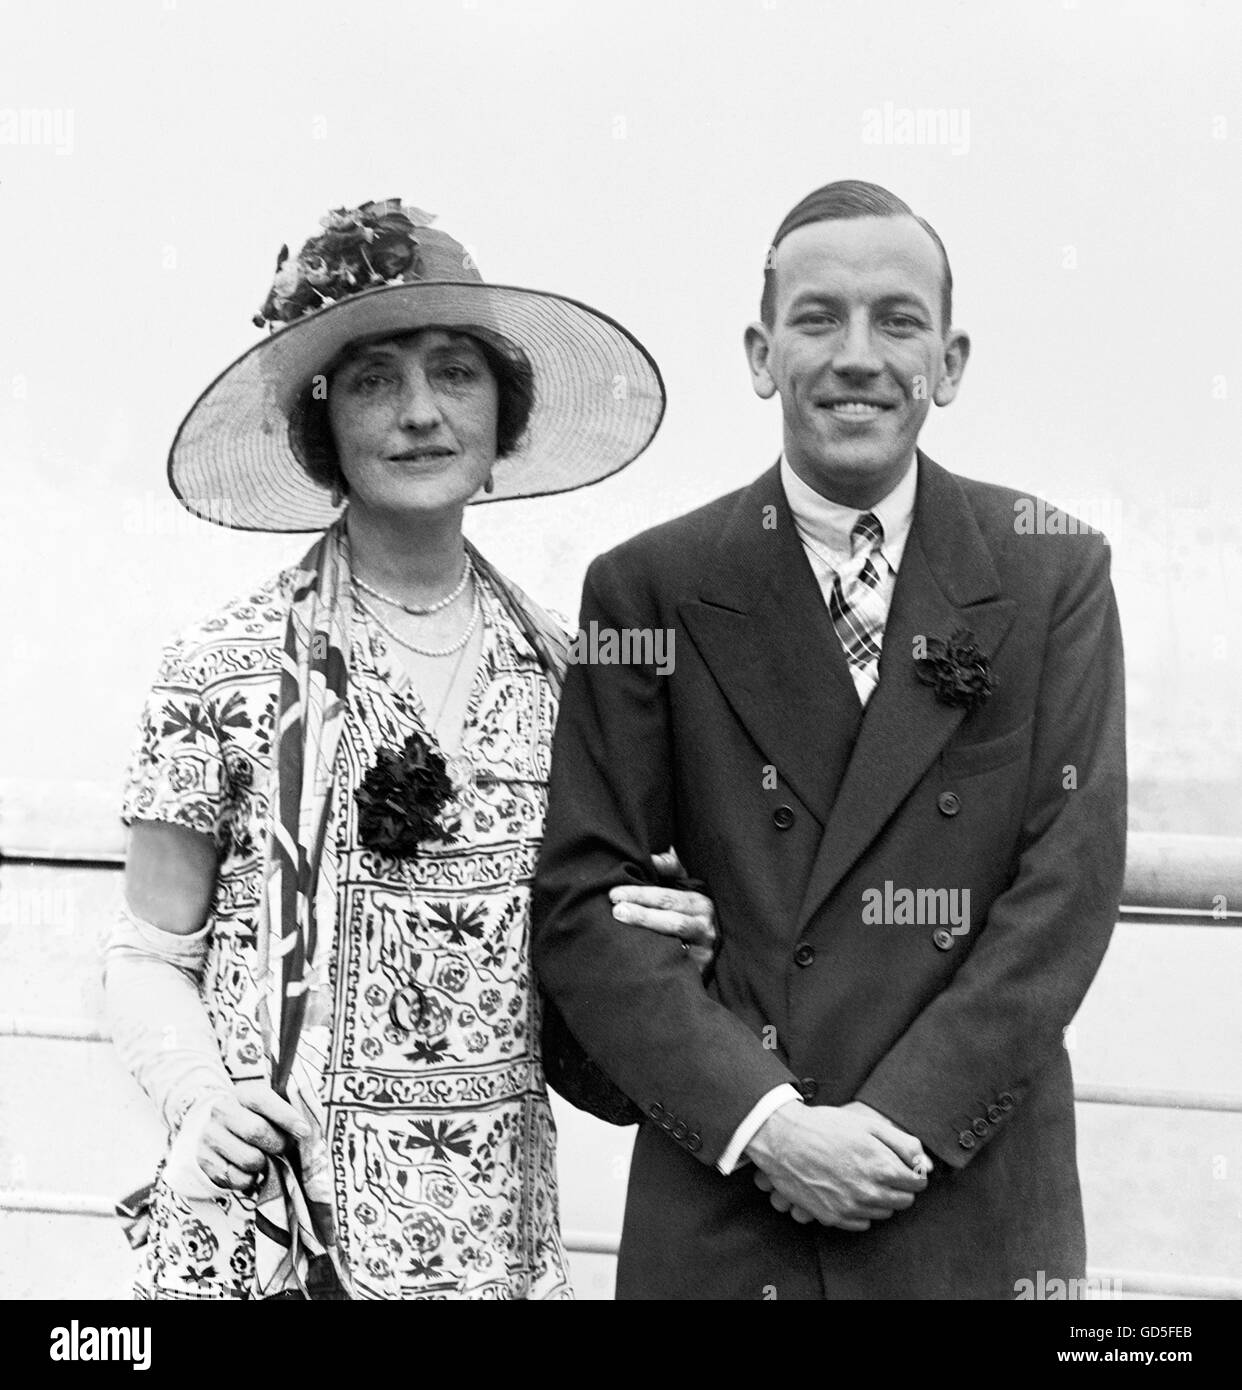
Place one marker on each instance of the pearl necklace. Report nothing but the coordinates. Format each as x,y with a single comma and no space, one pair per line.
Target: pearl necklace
466,570
477,609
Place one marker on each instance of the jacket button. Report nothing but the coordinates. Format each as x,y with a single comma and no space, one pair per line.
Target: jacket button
656,1110
994,1113
949,803
980,1127
680,1130
804,955
943,939
694,1142
808,1088
783,817
1005,1101
966,1139
667,1122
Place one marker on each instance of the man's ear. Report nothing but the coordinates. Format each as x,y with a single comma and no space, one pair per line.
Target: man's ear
956,355
758,346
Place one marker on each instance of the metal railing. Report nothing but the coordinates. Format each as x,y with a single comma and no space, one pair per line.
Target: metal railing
1176,880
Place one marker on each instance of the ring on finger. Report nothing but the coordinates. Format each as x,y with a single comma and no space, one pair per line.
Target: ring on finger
219,1179
242,1182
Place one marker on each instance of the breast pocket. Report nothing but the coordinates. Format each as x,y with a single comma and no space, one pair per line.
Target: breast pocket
970,759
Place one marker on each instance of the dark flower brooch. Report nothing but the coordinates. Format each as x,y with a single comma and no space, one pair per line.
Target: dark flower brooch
402,799
956,670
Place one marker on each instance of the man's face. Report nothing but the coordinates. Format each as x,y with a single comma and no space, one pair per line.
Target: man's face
856,351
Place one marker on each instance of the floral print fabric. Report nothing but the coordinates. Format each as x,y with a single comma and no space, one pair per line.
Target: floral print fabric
440,1132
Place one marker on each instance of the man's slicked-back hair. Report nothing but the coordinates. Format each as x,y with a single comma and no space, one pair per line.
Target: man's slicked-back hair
839,202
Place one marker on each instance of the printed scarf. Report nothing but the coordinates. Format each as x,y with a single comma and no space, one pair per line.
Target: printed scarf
294,1213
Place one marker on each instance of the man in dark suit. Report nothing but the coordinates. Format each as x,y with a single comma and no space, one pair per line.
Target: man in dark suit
892,747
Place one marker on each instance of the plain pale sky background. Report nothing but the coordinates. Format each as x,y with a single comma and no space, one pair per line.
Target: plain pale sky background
637,156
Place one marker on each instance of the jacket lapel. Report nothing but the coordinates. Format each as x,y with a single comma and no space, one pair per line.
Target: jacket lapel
762,627
947,581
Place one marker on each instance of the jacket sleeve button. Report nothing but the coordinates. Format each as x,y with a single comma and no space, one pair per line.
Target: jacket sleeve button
994,1113
656,1110
694,1142
680,1130
783,817
980,1127
966,1139
949,803
1005,1101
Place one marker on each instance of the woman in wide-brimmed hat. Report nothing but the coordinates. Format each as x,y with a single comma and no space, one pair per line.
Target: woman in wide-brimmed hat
321,974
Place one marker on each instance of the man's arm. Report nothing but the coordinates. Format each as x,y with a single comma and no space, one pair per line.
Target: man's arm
634,999
975,1047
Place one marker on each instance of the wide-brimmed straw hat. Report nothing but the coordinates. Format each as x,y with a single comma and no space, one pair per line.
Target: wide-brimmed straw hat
381,270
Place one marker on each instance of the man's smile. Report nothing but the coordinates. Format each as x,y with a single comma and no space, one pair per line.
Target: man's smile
855,409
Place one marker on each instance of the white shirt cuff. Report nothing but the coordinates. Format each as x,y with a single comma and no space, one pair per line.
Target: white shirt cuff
750,1126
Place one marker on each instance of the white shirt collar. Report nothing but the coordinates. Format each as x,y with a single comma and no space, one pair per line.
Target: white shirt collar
826,525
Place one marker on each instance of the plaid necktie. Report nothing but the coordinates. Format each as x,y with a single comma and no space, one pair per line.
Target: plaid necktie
857,606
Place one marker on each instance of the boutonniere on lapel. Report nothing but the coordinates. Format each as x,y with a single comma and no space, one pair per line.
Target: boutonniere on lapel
402,799
957,671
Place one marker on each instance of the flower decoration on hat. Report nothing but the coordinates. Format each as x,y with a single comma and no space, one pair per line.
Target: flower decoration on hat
957,670
358,249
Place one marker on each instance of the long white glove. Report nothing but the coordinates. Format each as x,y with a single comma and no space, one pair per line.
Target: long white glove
160,1027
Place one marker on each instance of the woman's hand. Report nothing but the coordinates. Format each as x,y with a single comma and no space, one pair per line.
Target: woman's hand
228,1138
676,912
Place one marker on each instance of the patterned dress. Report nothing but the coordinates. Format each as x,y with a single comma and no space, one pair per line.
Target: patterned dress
442,1141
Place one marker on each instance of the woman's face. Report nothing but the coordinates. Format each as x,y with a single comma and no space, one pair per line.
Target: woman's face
414,421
